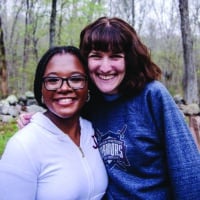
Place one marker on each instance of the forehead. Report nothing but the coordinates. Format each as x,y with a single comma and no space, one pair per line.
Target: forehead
64,63
107,39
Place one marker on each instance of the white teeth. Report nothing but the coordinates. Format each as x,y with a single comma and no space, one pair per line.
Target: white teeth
106,77
65,101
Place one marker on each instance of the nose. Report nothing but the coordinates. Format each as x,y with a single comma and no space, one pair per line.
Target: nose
105,65
65,86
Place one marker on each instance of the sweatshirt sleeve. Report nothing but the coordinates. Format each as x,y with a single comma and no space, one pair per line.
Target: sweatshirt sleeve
182,155
17,178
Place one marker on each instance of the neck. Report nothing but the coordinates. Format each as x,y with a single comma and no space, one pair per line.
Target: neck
69,126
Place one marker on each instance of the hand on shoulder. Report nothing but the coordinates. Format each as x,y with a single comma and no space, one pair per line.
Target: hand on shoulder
24,119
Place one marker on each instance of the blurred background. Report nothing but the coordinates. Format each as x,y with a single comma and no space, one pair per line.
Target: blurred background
171,30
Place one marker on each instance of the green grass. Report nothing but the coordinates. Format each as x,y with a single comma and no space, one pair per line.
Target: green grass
6,131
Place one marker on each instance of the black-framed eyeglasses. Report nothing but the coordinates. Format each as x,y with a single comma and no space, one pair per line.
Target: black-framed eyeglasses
75,82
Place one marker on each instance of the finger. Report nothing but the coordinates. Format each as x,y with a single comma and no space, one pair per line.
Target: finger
20,125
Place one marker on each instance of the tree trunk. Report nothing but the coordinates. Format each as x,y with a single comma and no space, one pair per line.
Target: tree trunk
26,52
3,65
190,85
133,12
52,29
60,21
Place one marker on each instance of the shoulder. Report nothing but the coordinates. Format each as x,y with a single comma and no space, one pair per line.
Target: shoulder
22,144
25,136
30,133
155,87
157,91
155,96
86,125
154,90
157,99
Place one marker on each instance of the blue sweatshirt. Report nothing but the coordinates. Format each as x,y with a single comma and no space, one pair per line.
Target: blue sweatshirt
146,146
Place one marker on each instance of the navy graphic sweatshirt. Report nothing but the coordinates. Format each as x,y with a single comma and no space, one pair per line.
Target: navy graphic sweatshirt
146,146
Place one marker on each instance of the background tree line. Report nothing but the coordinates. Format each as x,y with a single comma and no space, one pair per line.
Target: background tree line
171,30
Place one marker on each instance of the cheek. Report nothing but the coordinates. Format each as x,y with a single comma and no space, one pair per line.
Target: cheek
92,65
122,66
46,95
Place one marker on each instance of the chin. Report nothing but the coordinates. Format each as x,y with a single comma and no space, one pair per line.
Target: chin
106,91
61,115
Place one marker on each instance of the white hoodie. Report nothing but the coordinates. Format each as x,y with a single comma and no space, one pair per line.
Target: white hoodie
40,162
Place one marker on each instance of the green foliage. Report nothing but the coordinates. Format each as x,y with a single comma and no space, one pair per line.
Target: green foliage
6,131
166,53
71,17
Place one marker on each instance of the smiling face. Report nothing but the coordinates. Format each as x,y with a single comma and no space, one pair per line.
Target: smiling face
64,102
107,70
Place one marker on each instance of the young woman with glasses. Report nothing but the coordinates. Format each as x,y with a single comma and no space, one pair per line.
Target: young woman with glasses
53,158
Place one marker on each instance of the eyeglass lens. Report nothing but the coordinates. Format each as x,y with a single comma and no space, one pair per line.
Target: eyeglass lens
75,82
